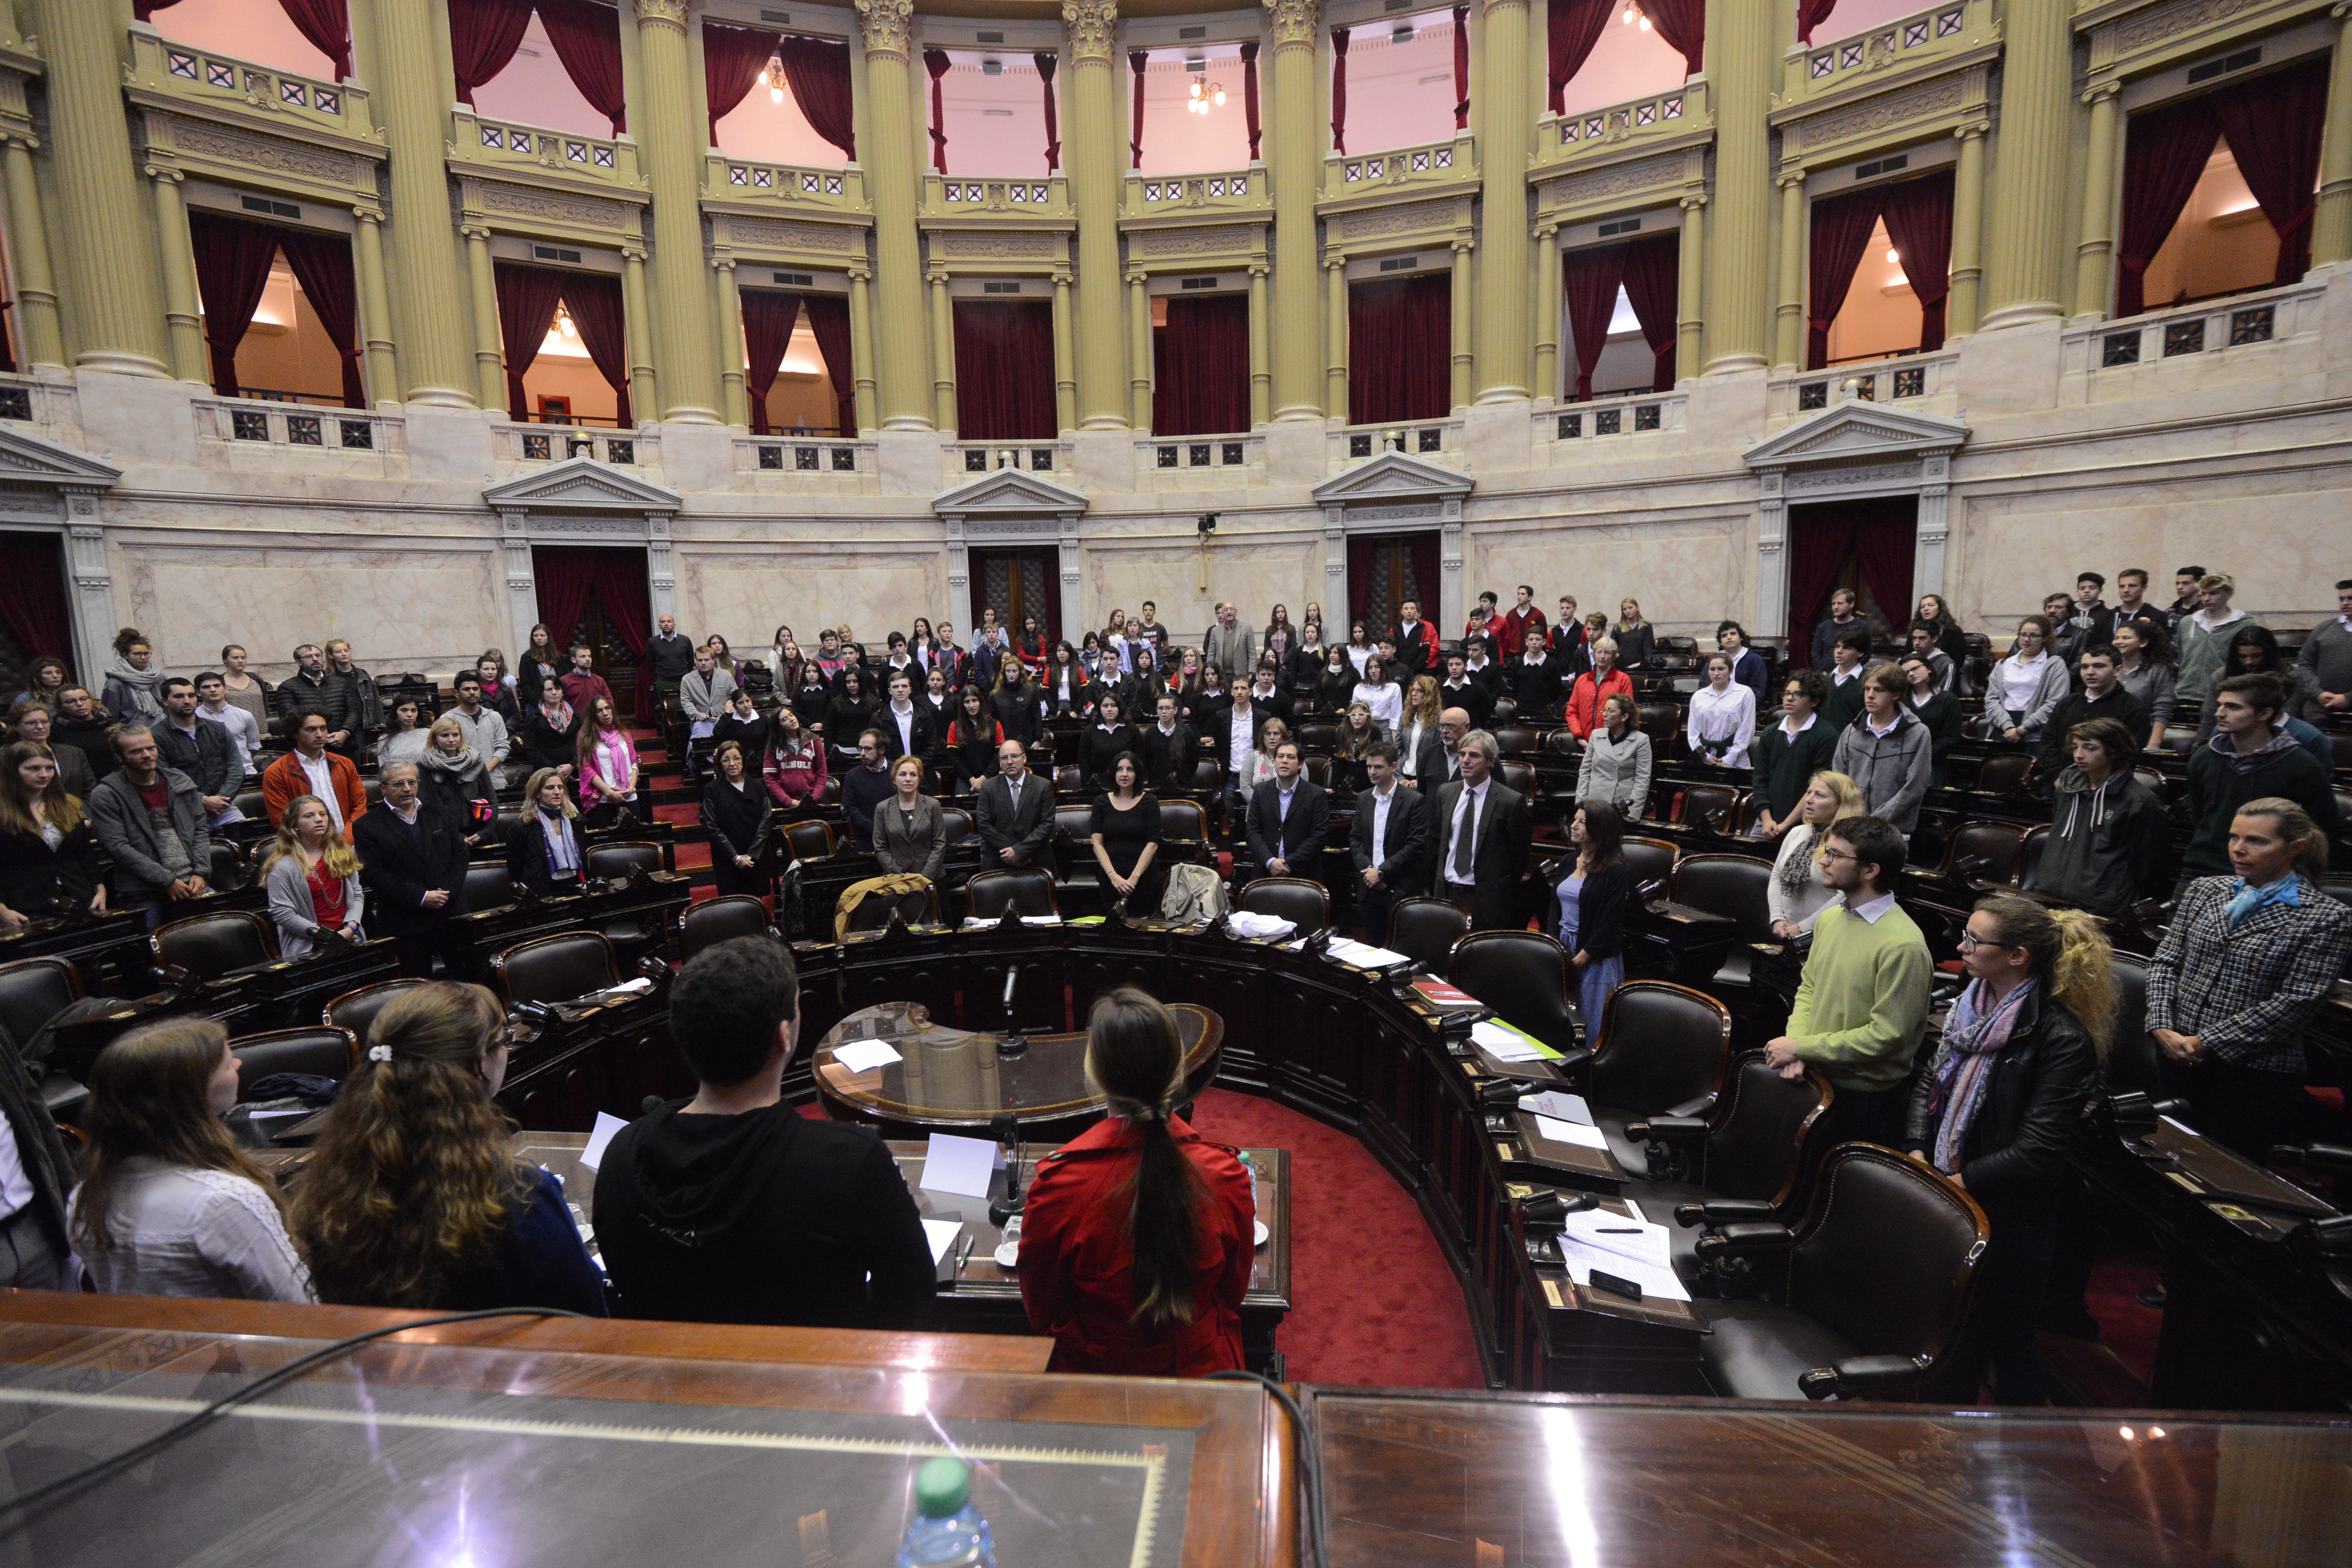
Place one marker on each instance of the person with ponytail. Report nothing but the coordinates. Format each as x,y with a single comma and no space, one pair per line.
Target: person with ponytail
167,1204
413,1196
1135,1246
1995,1110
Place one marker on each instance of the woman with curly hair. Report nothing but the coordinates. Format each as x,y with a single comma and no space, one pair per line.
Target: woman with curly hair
414,1197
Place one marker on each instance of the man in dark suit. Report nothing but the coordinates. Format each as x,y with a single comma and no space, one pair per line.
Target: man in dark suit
1482,829
1390,844
1436,764
1475,698
1170,749
1016,812
1290,819
412,865
668,656
1416,643
906,725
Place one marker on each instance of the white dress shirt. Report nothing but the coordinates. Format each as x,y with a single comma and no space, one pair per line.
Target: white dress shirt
321,774
1244,736
1473,797
905,718
1875,907
1728,715
1381,800
181,1231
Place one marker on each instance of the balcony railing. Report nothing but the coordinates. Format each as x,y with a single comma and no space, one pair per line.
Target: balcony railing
210,79
795,184
966,460
1597,134
1952,27
1437,439
1432,163
1900,378
559,443
1579,431
976,196
1157,195
264,421
1192,462
802,462
511,146
2199,336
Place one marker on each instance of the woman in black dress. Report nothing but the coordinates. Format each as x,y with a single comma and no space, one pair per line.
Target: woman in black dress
735,814
973,736
1335,687
540,662
550,731
850,713
1936,709
1126,837
812,696
1104,740
1203,698
48,852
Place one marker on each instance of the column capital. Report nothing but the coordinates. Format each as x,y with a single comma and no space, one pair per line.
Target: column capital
1064,278
861,275
1976,129
1139,279
634,253
2101,91
368,214
1260,269
722,261
474,231
1463,245
1294,22
937,275
1491,7
1334,262
1786,178
1092,27
2340,10
24,139
662,14
1694,201
888,25
163,174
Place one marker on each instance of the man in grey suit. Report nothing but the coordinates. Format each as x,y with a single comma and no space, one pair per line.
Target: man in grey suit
1016,812
1482,828
1389,845
1231,647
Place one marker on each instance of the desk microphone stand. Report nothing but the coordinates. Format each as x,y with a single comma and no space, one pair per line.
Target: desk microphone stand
1013,1042
1006,1127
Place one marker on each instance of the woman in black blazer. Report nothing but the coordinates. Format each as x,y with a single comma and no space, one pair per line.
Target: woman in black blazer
550,731
848,715
735,813
1015,704
36,879
1590,897
549,853
1102,741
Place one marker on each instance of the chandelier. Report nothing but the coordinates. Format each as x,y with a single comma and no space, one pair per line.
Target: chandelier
1206,93
772,78
1632,14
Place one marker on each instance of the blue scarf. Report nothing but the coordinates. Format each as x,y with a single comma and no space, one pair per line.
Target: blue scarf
2244,900
1963,1070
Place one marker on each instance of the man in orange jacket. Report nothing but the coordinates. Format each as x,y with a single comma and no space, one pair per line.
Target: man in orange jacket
311,769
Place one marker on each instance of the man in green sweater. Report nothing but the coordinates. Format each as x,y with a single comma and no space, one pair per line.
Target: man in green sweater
1862,1006
2249,757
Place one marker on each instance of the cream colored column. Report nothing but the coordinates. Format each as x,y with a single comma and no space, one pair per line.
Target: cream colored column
727,311
1091,148
1462,325
887,141
862,390
671,137
424,264
1066,354
2331,227
2094,252
489,345
1742,70
645,401
1506,121
1690,290
1789,312
1335,359
183,312
2025,260
1294,166
1139,351
38,331
380,365
1260,348
1544,307
114,300
943,372
1967,302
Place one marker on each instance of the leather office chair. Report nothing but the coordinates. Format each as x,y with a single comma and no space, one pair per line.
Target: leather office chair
1028,888
916,906
1506,708
1318,770
215,944
1068,779
487,887
722,918
633,936
2004,773
2028,853
1709,807
558,968
1318,737
1518,776
318,1051
1862,1298
1649,861
1746,1160
960,824
230,871
614,861
809,840
1293,898
1182,823
1522,976
1734,887
1983,854
2134,1061
35,990
252,803
1516,741
1662,722
1562,742
1425,930
1659,1050
354,1011
1207,777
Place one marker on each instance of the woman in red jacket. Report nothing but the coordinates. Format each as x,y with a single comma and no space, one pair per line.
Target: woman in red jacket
1135,1244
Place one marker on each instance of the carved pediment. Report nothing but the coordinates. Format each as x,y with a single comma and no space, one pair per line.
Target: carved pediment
1854,429
1394,476
581,484
31,460
1014,490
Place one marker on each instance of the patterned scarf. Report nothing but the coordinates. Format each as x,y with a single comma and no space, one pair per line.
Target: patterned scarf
1972,1039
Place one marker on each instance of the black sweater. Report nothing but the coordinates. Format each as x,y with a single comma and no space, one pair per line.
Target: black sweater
33,877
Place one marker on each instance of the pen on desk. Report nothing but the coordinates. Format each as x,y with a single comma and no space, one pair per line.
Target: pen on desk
963,1257
1618,1230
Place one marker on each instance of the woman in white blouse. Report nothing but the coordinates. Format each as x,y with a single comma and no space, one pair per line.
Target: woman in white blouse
1722,721
1795,897
1378,693
167,1204
2027,686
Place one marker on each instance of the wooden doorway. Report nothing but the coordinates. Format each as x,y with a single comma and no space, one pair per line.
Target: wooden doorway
1864,546
1016,583
1384,570
597,595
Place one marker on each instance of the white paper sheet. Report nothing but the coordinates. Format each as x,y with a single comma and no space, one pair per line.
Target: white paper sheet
1560,1104
1656,1283
1365,957
598,1137
1629,1238
865,1056
942,1234
1559,1132
953,1164
1503,1044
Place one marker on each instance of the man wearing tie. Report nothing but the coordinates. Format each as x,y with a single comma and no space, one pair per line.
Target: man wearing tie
1390,844
1016,812
1290,819
1483,831
1231,647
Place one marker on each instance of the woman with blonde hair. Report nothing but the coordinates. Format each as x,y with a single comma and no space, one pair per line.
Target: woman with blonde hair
414,1197
548,854
1995,1110
453,776
312,875
1424,705
1795,897
167,1204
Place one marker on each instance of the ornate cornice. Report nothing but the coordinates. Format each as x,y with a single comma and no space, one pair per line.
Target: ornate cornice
1092,26
1294,23
888,24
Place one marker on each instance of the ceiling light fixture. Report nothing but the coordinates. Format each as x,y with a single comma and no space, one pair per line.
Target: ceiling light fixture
1893,254
1204,94
1632,14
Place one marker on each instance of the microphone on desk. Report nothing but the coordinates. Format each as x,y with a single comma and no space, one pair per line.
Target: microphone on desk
1556,1204
1006,1129
1013,1041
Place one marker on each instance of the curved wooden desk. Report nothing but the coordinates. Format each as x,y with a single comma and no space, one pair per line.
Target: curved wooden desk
952,1080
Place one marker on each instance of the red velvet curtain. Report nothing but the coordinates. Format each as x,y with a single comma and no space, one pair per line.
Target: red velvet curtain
33,595
768,321
817,71
526,299
1918,215
1046,61
1570,30
1462,68
1400,349
1683,25
587,39
322,263
1812,14
1005,370
1249,96
1842,225
594,300
828,317
1339,89
483,37
1883,534
935,63
145,9
2165,151
1204,386
732,59
567,574
1363,559
1136,60
2272,125
1592,277
1653,288
327,25
232,260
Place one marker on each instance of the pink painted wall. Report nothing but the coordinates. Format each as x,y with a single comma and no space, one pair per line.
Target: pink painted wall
534,89
768,127
994,124
1628,61
1853,16
1400,94
253,30
1178,141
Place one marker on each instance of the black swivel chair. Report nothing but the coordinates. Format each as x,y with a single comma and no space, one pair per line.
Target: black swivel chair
722,918
1302,902
1522,977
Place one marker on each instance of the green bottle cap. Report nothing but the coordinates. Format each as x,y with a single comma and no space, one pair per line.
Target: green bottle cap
941,1488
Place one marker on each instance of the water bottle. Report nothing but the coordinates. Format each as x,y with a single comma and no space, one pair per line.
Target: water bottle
945,1530
1249,1167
